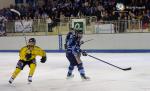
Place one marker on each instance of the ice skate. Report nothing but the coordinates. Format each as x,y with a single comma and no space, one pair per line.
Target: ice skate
11,80
85,78
29,79
70,76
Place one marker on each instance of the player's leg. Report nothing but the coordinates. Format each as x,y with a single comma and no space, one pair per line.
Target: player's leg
70,70
71,59
82,72
14,75
19,67
32,66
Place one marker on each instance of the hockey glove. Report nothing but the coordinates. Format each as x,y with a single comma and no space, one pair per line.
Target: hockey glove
43,59
28,56
81,42
84,53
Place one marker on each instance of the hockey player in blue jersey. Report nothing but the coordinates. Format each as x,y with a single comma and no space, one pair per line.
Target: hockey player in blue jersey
73,53
70,34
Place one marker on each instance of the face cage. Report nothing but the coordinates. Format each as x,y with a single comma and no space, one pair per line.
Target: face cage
31,43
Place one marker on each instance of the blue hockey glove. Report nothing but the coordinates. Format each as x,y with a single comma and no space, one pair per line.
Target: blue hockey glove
81,42
84,53
43,59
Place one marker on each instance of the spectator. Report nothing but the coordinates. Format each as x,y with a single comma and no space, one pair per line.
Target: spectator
74,8
145,21
2,25
49,22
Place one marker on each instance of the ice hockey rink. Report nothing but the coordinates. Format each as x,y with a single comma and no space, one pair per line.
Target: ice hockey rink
51,76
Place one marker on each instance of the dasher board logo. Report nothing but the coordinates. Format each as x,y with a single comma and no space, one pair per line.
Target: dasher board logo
78,25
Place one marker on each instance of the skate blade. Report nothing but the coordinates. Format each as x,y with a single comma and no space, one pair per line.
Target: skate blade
68,78
87,79
11,85
71,77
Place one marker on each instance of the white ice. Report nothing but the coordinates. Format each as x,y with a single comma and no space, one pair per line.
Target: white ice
51,76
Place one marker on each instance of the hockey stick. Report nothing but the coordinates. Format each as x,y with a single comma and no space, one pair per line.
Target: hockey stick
124,69
86,41
18,13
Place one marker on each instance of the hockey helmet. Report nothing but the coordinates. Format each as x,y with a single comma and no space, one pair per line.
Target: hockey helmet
31,41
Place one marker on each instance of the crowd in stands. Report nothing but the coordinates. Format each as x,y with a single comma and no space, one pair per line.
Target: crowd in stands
104,10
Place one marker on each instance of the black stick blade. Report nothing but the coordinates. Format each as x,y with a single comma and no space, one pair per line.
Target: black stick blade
127,69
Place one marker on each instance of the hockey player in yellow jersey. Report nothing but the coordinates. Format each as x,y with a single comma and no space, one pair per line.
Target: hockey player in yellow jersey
28,55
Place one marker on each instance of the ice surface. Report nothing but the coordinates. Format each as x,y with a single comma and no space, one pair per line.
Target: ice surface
51,76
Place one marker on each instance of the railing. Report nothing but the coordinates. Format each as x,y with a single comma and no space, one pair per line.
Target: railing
120,26
40,27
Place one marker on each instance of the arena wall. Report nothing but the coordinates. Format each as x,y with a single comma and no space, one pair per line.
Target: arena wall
127,42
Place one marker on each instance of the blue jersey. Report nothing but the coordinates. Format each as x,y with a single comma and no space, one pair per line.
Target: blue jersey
73,43
69,35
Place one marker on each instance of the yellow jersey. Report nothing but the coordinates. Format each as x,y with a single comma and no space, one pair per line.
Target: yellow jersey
35,51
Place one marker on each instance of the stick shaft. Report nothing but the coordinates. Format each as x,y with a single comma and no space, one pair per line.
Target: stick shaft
109,63
88,40
18,13
23,31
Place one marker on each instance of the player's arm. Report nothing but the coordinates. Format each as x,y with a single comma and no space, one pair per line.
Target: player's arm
84,53
42,53
77,53
22,53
